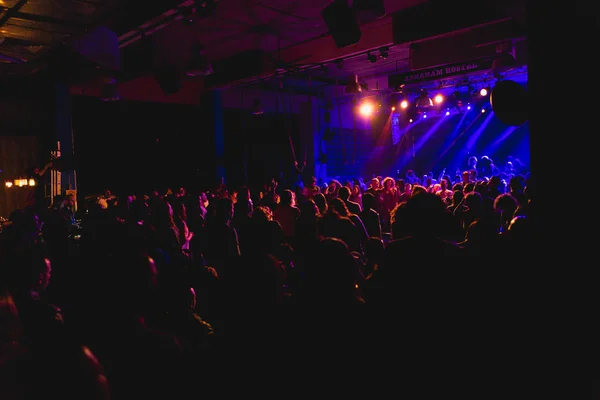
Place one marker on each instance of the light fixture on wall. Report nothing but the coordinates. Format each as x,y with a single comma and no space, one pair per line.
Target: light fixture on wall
20,182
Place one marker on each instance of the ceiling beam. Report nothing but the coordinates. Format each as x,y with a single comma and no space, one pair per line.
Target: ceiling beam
10,59
24,42
50,20
9,13
314,91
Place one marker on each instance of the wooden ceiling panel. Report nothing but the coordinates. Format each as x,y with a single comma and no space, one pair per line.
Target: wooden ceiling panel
62,9
32,35
8,3
42,26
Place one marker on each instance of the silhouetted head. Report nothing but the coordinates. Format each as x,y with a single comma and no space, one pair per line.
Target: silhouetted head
321,202
423,214
308,209
344,193
368,201
339,207
287,198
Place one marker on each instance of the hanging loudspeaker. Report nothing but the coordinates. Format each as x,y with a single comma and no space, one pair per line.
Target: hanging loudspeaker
509,102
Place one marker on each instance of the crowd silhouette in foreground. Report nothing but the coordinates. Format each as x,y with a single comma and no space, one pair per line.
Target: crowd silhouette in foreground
153,296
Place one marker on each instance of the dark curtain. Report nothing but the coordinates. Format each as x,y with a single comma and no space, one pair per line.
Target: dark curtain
258,149
136,146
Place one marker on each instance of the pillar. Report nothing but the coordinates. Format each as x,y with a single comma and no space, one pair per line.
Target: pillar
218,127
64,136
308,113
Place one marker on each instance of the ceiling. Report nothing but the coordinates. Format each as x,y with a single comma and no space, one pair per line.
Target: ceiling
236,26
283,34
290,35
30,29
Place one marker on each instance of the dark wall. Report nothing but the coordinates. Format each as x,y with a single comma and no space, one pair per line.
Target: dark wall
29,111
17,154
128,146
26,132
257,147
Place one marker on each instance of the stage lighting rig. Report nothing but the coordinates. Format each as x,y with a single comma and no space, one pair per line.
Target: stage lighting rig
423,101
384,52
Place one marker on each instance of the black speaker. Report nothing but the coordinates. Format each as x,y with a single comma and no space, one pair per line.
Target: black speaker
167,77
342,23
509,102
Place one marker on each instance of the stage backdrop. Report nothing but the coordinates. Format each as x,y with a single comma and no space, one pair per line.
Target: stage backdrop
431,144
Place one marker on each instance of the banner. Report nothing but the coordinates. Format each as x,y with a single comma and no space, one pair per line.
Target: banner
430,74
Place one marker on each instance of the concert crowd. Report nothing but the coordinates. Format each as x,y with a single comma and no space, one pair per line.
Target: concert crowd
150,295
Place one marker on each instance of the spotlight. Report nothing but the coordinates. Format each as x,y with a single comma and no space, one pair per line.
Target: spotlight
483,110
447,112
483,92
366,109
468,107
404,104
424,115
410,120
439,98
459,98
384,52
8,184
371,57
393,108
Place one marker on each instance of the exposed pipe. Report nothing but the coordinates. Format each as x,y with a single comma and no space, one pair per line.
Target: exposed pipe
11,59
11,11
304,68
155,24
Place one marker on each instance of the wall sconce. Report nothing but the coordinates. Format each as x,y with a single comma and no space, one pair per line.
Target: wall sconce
20,182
